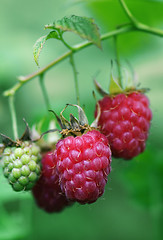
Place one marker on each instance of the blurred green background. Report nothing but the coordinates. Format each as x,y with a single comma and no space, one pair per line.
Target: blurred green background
131,207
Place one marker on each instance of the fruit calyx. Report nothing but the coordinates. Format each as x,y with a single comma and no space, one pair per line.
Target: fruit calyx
75,127
125,84
8,142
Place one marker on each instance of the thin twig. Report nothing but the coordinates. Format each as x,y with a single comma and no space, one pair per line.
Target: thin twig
44,92
75,78
118,61
13,117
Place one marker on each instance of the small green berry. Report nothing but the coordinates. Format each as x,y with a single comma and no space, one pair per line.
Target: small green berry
7,151
33,177
35,150
38,169
18,152
10,166
30,186
17,164
12,157
32,165
6,172
16,172
17,187
6,161
25,171
25,159
11,178
27,150
34,158
23,180
21,165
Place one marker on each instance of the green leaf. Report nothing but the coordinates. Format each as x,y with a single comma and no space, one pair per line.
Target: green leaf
82,26
40,42
114,87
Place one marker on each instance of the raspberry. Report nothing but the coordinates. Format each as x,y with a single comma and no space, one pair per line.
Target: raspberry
21,165
83,164
47,191
125,121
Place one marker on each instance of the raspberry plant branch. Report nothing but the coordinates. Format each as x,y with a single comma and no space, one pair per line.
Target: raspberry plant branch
44,92
76,48
13,116
135,25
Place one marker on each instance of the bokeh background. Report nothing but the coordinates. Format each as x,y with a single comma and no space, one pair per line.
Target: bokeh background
131,207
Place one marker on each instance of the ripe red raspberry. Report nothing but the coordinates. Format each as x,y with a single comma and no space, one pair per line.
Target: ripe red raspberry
83,164
125,121
47,191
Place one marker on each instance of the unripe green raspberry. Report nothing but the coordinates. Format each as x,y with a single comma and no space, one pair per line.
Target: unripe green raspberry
21,165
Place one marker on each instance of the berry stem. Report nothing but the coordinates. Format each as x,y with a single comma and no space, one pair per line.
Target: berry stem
75,78
118,61
73,68
138,25
128,13
44,91
65,43
13,116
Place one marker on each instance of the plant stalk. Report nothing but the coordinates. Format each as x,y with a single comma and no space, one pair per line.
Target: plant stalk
13,116
75,78
44,92
118,61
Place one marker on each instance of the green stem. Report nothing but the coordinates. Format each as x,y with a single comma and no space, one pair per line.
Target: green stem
44,92
25,79
73,68
124,29
118,61
75,78
144,28
128,13
13,116
138,25
65,43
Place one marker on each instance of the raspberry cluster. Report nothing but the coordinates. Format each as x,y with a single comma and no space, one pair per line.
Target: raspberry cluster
125,121
21,165
77,170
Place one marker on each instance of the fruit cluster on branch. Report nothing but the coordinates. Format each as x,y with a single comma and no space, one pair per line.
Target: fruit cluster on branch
75,167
